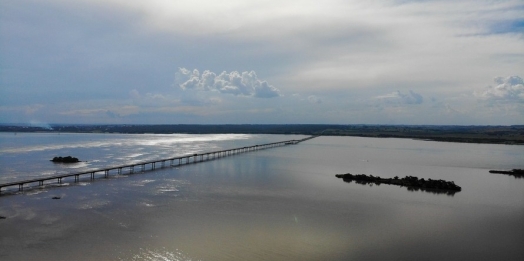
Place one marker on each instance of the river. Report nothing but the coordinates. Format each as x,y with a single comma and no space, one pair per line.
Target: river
283,203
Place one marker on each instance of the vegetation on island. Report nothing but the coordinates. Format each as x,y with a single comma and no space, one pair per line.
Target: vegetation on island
412,183
67,159
517,173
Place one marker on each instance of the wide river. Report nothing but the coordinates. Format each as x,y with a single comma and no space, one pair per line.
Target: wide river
282,203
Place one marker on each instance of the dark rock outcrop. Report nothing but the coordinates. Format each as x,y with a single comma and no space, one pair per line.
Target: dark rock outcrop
412,183
67,159
517,173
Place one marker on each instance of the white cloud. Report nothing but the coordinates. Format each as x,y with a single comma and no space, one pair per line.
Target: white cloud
398,98
343,51
314,99
243,84
508,90
109,111
152,99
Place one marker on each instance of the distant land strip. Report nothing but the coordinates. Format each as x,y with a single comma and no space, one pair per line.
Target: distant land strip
513,134
517,173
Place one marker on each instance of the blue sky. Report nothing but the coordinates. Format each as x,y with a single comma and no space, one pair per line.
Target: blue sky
210,62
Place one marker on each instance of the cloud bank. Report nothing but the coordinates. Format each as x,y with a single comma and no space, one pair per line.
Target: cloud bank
508,90
314,99
241,84
345,60
398,98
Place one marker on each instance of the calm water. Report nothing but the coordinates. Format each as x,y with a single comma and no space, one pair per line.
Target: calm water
278,204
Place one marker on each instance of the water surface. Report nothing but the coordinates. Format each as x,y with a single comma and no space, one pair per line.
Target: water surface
278,204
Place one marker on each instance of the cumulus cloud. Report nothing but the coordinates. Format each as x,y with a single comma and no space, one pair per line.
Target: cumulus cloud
243,84
400,98
507,90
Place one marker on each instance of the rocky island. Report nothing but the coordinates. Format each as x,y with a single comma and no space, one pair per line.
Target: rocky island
517,173
67,159
412,183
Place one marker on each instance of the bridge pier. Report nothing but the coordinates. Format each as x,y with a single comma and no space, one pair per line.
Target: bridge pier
181,160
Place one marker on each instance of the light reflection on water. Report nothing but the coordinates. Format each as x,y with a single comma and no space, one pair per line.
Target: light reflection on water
27,155
160,255
70,141
281,204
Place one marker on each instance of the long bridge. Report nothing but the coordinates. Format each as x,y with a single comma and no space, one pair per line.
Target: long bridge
143,166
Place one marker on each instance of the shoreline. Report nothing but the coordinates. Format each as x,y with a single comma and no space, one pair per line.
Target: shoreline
507,135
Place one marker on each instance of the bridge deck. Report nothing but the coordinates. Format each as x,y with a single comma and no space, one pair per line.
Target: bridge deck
182,160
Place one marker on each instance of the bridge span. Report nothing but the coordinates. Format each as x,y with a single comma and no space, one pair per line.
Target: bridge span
143,166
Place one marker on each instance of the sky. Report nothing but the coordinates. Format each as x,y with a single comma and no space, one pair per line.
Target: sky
431,62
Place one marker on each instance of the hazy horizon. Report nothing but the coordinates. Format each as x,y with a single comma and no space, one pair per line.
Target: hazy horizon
48,125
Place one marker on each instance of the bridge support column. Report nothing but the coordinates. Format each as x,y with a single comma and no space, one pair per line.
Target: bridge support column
181,160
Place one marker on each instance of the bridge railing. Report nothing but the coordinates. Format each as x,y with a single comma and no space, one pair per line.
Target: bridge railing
130,168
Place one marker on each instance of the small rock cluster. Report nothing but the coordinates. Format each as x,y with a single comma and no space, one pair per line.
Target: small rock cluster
67,159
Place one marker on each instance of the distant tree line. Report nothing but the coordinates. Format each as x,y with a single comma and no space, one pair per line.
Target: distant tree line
473,134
